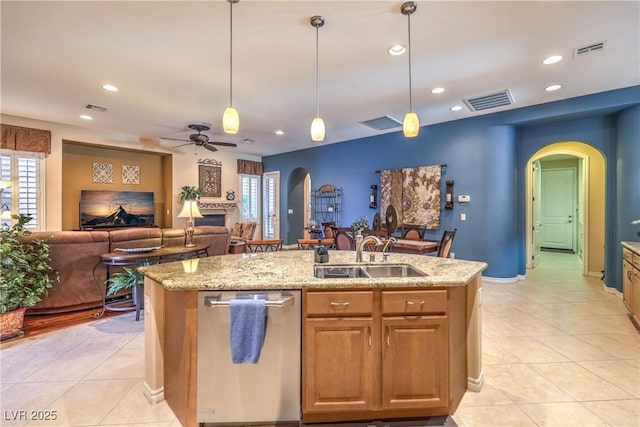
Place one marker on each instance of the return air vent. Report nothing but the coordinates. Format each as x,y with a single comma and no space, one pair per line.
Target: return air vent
595,47
383,123
96,108
485,102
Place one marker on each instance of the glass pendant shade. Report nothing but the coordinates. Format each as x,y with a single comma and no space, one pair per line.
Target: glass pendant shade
231,120
411,125
317,129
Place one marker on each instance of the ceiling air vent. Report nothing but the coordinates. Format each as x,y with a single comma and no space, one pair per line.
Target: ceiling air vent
595,47
96,108
383,123
485,102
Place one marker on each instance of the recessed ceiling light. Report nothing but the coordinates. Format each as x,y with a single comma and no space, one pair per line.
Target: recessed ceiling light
110,88
552,88
437,90
85,117
552,59
279,132
397,49
456,108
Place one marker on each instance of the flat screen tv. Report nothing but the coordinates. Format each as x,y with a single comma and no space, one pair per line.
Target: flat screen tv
109,209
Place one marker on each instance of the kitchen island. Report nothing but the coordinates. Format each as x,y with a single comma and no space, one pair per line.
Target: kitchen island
437,313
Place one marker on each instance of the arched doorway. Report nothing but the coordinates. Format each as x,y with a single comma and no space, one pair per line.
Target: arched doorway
589,220
297,204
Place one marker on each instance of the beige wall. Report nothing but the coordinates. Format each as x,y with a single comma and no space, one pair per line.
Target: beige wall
184,167
77,168
595,209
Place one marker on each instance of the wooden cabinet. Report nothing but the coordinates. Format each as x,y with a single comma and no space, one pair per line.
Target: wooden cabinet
375,354
631,283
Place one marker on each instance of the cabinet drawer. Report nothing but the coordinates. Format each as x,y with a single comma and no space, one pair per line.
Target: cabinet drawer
339,303
414,302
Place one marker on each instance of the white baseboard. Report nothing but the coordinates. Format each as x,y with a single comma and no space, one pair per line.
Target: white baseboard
597,274
475,384
515,279
153,396
612,291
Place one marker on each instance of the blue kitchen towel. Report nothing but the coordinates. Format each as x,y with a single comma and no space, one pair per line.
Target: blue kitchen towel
246,333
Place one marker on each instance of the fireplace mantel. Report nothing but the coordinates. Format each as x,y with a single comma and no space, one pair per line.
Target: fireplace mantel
227,206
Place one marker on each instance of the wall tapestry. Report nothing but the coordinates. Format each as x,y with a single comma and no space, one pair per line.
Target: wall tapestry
103,172
210,180
130,174
415,193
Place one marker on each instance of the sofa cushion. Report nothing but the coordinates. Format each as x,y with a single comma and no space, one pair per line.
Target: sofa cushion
143,237
75,255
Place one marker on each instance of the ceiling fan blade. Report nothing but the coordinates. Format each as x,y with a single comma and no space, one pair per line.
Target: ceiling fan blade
210,148
182,145
176,139
224,144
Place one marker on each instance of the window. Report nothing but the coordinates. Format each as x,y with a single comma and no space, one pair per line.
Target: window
22,169
249,197
269,199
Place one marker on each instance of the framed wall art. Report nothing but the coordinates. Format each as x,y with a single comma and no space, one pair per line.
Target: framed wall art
210,180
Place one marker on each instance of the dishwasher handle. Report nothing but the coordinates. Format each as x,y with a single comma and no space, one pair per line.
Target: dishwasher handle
285,301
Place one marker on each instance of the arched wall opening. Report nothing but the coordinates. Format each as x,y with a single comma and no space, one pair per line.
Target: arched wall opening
593,185
297,202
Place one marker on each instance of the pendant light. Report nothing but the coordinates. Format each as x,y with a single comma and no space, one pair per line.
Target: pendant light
230,119
317,126
411,123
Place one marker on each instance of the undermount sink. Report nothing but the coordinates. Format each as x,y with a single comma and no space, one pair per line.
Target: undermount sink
393,270
367,271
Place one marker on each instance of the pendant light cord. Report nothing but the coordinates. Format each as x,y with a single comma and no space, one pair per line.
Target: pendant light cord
230,54
317,76
410,88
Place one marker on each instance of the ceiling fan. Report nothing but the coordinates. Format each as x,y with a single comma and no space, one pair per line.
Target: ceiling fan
202,140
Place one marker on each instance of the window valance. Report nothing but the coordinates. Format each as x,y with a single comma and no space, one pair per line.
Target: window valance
19,138
250,167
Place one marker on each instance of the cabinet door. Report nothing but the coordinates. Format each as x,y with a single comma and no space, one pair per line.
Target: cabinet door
627,289
414,362
338,370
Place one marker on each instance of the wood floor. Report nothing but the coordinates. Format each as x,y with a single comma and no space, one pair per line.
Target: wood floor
43,323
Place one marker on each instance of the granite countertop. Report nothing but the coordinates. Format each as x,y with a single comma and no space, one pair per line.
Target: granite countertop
632,246
293,269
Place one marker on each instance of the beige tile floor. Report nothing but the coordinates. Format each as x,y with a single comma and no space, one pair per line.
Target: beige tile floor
557,350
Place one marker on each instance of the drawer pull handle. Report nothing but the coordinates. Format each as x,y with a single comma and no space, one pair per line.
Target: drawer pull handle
369,332
339,303
421,302
387,335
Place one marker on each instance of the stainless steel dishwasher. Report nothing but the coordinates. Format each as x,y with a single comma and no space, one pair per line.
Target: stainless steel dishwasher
267,391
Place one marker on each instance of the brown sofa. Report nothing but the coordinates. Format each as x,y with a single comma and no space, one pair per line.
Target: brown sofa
75,255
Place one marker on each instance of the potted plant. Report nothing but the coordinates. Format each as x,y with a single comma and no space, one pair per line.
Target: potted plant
360,224
26,274
189,193
123,280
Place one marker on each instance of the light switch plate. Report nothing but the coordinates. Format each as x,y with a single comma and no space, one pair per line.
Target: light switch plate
463,217
464,199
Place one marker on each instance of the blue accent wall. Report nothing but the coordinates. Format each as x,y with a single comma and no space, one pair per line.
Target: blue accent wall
486,157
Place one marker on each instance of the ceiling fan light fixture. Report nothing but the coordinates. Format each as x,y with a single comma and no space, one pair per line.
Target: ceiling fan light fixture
230,118
411,123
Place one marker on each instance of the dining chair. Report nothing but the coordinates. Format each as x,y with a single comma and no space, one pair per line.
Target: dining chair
412,232
444,249
344,241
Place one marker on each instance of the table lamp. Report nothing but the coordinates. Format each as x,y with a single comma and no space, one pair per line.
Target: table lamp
189,210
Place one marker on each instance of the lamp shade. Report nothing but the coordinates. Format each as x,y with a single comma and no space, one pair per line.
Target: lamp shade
5,184
231,120
411,125
317,129
190,210
6,215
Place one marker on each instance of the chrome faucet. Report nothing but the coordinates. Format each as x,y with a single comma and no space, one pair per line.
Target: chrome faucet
387,247
360,244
